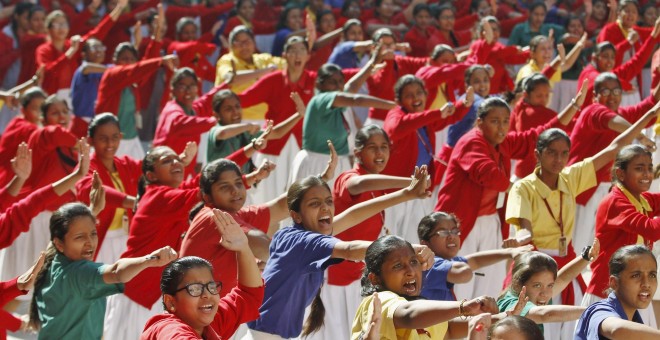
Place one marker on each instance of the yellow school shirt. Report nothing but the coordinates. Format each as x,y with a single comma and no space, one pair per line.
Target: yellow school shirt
642,206
440,99
120,213
390,302
526,201
260,61
531,67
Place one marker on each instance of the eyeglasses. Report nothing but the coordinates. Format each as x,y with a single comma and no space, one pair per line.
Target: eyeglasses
445,233
196,289
607,92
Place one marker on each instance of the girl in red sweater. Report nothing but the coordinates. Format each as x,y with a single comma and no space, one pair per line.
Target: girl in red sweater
13,288
191,294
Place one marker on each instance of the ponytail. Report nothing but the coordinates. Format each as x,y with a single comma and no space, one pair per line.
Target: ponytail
316,316
33,322
195,210
142,188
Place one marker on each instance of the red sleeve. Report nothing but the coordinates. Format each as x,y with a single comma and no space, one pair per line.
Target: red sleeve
466,22
518,145
113,197
635,112
599,119
51,137
631,68
410,65
182,125
101,30
125,75
153,49
239,157
256,215
433,76
78,21
620,49
261,90
399,124
203,105
8,291
16,219
9,322
482,169
44,57
548,71
655,63
512,55
239,306
626,217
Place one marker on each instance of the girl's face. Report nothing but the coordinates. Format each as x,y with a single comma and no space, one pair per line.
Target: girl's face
543,52
413,98
80,241
246,11
59,29
58,114
507,333
230,111
296,56
628,15
228,192
243,46
539,287
575,27
317,210
606,95
496,31
354,33
386,9
401,272
334,82
448,246
480,82
445,58
484,9
374,155
106,140
599,10
638,175
353,11
38,22
537,17
33,110
168,169
188,33
327,23
495,125
650,16
22,21
198,312
184,91
605,60
294,19
126,57
539,96
423,19
554,157
636,284
95,52
446,20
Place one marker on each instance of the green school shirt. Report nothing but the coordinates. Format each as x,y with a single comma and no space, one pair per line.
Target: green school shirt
323,122
71,303
509,300
126,114
222,148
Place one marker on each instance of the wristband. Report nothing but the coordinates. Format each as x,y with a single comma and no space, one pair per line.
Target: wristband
461,310
585,253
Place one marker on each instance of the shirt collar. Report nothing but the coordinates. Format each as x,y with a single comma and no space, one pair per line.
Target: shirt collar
641,206
623,30
543,189
614,301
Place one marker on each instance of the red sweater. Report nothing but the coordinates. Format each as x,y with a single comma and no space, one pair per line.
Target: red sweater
129,171
239,306
420,43
17,131
193,54
29,43
617,225
460,38
174,13
524,117
8,54
612,32
8,291
203,240
476,165
500,56
592,134
381,84
258,27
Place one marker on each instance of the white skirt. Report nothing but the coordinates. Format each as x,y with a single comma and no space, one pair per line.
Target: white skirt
585,219
647,314
277,182
403,219
114,244
341,304
131,147
563,330
309,163
20,256
125,319
562,93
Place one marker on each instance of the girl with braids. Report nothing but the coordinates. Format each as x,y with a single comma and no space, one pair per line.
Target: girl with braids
300,253
200,311
633,272
70,290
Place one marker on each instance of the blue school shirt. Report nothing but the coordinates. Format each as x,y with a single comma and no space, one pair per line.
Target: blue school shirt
344,55
595,314
435,285
84,89
279,41
292,276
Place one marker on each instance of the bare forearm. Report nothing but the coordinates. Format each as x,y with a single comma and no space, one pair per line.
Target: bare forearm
94,68
129,202
620,329
607,155
351,250
554,313
488,257
571,58
248,272
14,186
355,83
67,183
231,130
285,126
125,269
362,100
569,272
424,313
248,75
327,38
364,183
361,211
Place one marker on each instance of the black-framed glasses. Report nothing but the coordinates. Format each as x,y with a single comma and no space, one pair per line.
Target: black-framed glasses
196,289
607,92
445,233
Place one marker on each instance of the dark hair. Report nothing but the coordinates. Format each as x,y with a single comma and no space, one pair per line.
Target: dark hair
347,5
470,71
210,174
320,16
281,23
149,164
619,259
550,135
536,5
530,83
350,23
534,42
603,46
30,94
298,189
85,46
19,9
439,49
59,225
174,273
404,81
382,32
509,96
572,17
625,156
376,255
362,136
442,8
100,120
429,222
292,41
528,264
35,9
183,22
122,47
326,71
529,329
181,73
420,8
50,101
220,97
238,30
623,3
489,104
604,77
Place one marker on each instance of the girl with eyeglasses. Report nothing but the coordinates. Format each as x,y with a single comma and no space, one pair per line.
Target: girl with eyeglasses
441,232
191,296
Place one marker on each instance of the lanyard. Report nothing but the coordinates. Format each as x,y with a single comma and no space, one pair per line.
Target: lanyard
560,221
382,216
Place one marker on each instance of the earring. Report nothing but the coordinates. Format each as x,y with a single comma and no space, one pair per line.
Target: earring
171,308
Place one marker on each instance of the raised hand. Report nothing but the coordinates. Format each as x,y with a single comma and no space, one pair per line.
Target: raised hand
489,36
418,184
137,33
261,142
232,236
329,172
264,170
447,110
478,327
83,157
26,280
188,154
581,95
300,105
424,255
162,256
97,195
469,96
171,61
595,249
21,164
373,326
520,305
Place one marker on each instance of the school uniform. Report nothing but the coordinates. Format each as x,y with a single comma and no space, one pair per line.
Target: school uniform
194,54
344,56
239,306
174,13
10,54
618,36
456,38
203,240
500,56
112,221
420,45
532,67
480,172
436,286
293,276
390,302
591,135
509,300
522,33
29,43
221,148
71,302
8,322
257,27
84,90
589,324
17,131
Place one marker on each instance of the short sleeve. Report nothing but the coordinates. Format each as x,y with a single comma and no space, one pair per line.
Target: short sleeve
390,302
317,251
593,317
257,216
581,176
436,277
509,301
321,104
86,278
518,204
